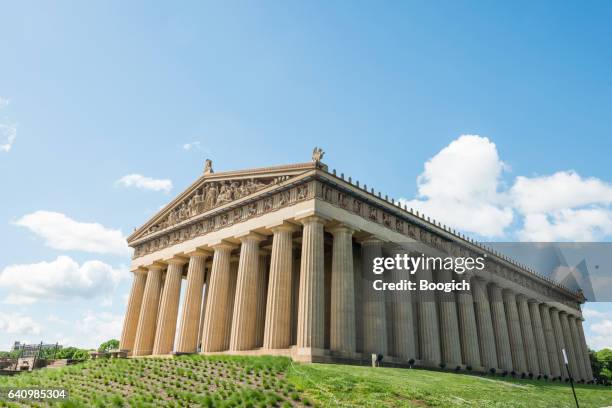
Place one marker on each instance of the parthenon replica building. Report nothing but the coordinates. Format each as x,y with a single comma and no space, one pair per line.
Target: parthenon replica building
278,260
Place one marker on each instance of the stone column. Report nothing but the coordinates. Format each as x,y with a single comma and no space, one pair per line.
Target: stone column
539,338
528,339
217,307
311,308
585,350
130,323
207,274
569,346
500,327
145,334
244,328
484,324
342,317
551,344
450,343
262,296
404,346
192,304
467,325
560,341
277,333
577,346
231,301
168,311
514,330
374,314
429,331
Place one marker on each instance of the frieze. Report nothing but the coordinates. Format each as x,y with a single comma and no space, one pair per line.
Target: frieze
408,228
225,219
209,195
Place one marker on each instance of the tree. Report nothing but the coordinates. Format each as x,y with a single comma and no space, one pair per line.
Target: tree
109,345
601,363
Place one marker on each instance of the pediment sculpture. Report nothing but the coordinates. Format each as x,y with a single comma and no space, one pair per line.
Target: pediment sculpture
208,196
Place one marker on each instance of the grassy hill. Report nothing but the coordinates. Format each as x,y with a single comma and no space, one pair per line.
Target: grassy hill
273,381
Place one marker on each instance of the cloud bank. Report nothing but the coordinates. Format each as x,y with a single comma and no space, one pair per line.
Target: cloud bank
63,233
59,280
145,183
462,186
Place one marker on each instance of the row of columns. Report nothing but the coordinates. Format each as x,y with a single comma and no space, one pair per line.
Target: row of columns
484,328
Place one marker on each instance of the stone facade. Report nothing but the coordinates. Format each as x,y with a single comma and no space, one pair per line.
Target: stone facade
278,261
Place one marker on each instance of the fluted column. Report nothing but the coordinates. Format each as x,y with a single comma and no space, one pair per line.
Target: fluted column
342,317
217,304
467,324
585,350
311,308
132,313
551,344
168,310
450,343
539,338
559,340
528,339
404,346
429,331
277,333
187,341
374,314
262,297
500,327
207,274
484,324
145,334
231,302
569,346
514,331
577,346
244,328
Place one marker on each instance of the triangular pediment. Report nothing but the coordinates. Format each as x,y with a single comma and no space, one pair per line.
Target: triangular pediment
214,190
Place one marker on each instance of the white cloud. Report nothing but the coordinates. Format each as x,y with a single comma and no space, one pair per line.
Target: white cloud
16,323
64,233
602,335
4,102
592,313
61,279
8,134
191,145
460,187
563,207
145,183
583,225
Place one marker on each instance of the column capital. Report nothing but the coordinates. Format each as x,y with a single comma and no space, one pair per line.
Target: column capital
311,217
521,297
283,226
341,228
198,252
156,267
223,245
371,240
176,260
508,292
139,270
250,236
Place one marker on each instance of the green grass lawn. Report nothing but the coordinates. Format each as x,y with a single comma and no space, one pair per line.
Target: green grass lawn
193,381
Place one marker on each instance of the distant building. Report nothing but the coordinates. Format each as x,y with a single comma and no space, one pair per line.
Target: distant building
32,348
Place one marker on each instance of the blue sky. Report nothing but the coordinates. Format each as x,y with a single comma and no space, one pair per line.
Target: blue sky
92,92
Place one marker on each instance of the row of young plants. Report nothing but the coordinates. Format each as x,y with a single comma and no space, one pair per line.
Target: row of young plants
185,381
